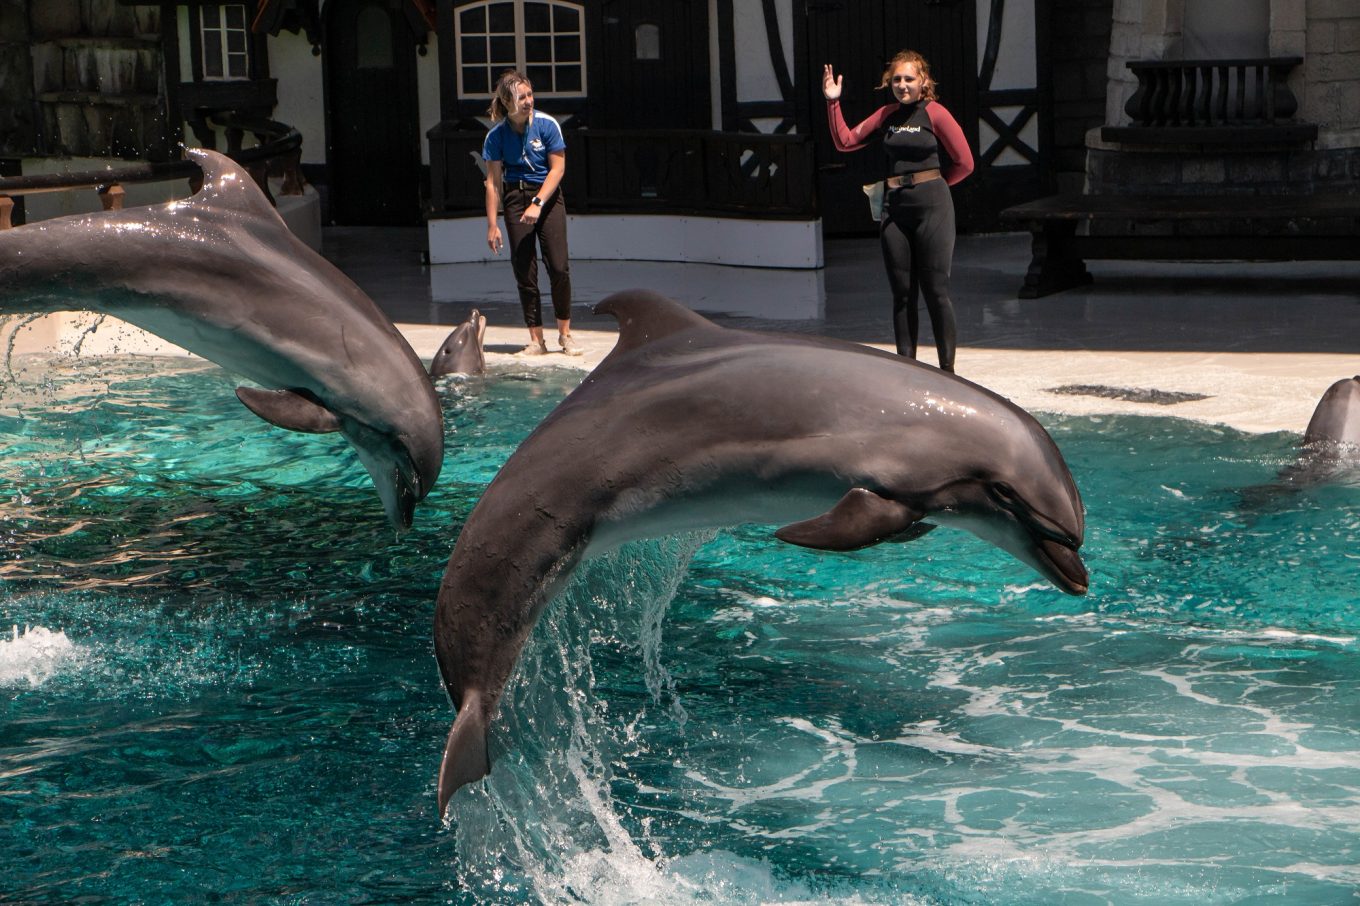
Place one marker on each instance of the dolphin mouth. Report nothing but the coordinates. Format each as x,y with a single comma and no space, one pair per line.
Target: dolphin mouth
398,478
1064,566
405,495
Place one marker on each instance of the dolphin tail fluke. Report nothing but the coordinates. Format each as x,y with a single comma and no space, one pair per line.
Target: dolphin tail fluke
466,757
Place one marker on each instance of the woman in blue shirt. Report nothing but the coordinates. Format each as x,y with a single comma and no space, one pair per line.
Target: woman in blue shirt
526,158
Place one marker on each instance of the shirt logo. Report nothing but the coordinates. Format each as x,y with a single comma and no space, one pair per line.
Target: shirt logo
537,143
896,129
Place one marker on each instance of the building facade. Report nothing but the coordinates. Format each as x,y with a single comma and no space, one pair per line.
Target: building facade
697,112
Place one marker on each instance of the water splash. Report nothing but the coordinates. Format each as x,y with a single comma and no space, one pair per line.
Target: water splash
560,740
34,654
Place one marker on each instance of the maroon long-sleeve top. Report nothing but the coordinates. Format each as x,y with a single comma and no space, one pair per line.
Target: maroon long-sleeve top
917,136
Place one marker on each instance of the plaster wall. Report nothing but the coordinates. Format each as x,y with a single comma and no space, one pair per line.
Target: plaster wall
427,88
755,72
1016,68
302,95
1016,65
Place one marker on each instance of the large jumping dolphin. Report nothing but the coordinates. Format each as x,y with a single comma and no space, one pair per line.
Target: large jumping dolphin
687,425
221,275
462,352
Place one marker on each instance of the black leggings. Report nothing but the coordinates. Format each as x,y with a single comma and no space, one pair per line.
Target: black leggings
551,232
917,235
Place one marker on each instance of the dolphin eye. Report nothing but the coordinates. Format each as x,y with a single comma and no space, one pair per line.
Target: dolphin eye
1005,493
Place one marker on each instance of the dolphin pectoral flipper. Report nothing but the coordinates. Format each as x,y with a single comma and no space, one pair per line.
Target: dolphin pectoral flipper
295,410
859,519
465,753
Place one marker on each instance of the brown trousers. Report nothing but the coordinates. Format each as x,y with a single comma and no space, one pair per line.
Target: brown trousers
551,233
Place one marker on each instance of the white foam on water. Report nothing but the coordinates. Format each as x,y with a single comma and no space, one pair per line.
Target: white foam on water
34,654
716,878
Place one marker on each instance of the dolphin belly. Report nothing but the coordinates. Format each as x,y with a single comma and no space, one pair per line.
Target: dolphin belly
639,515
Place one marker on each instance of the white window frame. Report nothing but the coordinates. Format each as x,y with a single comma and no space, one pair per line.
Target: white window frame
222,31
520,62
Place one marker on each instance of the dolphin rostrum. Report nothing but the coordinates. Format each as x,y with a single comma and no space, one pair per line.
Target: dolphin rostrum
221,275
687,425
461,352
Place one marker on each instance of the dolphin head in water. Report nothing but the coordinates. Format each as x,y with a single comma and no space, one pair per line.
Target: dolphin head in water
1336,419
221,275
461,352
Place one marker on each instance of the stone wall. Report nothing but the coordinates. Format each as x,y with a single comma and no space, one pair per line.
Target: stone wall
1330,90
1192,170
1325,33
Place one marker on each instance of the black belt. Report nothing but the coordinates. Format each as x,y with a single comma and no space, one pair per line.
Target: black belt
912,179
523,184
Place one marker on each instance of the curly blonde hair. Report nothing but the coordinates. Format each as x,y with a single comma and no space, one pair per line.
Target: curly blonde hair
922,69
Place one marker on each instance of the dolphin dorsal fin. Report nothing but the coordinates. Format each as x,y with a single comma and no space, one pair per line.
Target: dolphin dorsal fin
227,184
645,317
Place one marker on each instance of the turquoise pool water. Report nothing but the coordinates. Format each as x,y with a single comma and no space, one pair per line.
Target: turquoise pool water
218,682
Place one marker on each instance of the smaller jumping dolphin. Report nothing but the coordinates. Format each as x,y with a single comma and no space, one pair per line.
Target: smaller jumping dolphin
687,425
221,275
461,352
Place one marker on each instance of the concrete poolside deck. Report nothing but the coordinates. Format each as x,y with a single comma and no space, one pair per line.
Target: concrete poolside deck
1259,342
1248,345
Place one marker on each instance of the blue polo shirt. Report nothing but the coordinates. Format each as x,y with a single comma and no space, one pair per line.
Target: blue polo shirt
524,156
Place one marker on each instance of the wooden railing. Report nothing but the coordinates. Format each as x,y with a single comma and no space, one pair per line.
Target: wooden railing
1213,100
280,147
662,171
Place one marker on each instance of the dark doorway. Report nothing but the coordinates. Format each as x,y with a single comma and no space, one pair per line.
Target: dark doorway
373,127
858,37
653,70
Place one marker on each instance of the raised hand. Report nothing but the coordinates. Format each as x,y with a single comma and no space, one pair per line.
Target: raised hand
831,83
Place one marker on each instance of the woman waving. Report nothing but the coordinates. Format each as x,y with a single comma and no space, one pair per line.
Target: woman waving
925,154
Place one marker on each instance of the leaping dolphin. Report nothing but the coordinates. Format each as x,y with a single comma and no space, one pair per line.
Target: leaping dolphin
461,352
687,425
221,275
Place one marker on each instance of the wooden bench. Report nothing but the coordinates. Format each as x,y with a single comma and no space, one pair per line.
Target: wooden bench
1067,229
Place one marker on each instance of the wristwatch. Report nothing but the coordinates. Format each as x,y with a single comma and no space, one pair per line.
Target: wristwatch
536,201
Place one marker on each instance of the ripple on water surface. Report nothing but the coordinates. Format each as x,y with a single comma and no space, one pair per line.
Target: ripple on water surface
217,676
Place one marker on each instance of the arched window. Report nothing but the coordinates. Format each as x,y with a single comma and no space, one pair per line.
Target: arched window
647,42
543,38
373,27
